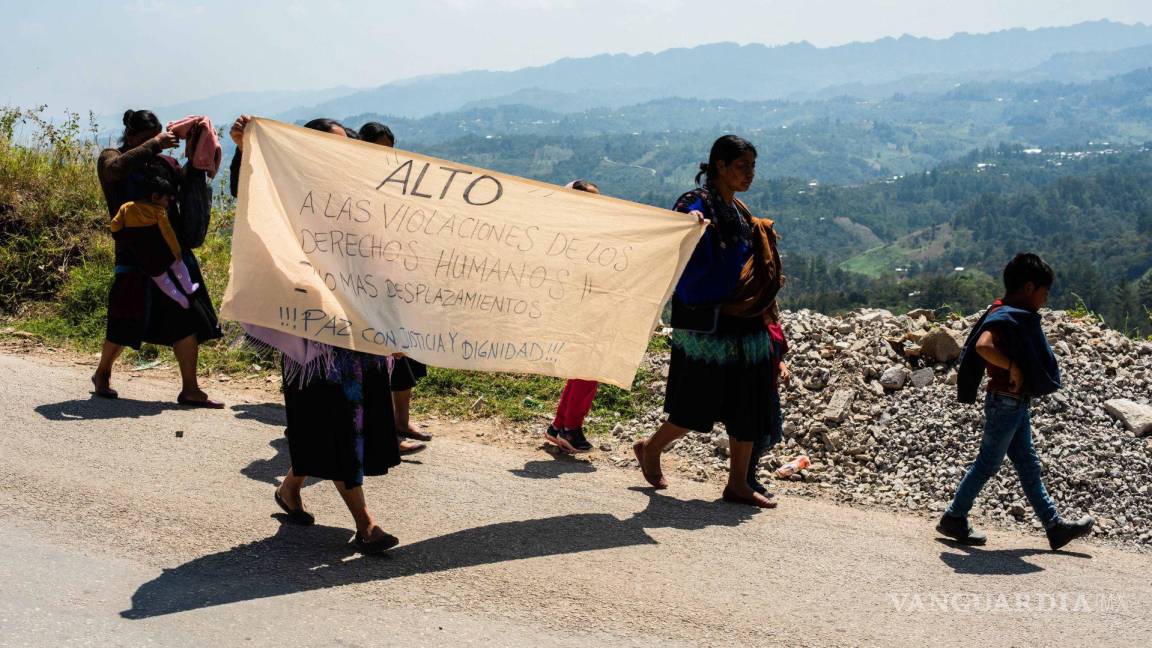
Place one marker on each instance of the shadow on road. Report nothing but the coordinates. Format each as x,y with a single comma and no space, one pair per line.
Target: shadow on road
560,464
995,562
665,512
266,413
300,559
270,471
91,409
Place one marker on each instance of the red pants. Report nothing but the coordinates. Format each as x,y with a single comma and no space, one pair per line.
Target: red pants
575,403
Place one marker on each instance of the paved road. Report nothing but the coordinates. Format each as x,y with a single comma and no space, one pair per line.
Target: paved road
116,532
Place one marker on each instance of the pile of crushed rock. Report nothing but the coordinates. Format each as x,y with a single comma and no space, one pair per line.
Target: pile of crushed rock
873,404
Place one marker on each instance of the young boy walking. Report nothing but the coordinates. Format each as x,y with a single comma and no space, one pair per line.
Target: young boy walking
1009,344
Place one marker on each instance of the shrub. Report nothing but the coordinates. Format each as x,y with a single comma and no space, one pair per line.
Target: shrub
50,204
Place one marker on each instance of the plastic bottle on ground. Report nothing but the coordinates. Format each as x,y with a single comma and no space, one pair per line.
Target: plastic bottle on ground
793,467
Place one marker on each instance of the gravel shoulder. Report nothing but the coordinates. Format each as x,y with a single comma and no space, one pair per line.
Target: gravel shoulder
117,531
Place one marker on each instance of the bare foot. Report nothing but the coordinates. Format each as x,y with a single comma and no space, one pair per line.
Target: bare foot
650,470
745,495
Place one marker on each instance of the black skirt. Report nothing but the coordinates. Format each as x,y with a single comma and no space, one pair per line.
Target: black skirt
139,312
723,377
322,437
406,372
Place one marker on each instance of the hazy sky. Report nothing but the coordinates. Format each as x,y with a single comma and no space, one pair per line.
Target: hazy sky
109,54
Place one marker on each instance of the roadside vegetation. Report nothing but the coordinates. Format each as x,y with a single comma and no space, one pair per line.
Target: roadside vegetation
56,264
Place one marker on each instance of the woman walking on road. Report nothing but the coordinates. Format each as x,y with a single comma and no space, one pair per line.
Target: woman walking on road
722,367
339,410
138,311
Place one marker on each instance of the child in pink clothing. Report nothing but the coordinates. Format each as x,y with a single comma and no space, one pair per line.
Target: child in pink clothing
567,429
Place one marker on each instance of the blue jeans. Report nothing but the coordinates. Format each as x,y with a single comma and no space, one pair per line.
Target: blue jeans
1007,431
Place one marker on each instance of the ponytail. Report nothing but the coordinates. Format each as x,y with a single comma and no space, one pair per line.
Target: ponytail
702,172
325,125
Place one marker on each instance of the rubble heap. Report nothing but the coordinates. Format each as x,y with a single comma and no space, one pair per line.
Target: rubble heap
873,404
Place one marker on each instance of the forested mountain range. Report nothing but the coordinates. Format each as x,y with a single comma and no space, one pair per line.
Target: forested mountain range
897,240
941,237
902,172
652,148
797,71
758,72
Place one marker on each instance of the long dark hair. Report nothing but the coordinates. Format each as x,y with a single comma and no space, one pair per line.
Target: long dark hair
584,185
374,131
139,121
154,176
325,125
725,149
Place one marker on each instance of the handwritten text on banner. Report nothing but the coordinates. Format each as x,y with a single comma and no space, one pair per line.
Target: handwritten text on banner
378,250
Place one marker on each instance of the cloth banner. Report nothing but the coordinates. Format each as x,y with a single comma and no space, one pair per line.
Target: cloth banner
379,250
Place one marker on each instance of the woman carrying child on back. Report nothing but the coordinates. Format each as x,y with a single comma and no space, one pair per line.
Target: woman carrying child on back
143,226
142,305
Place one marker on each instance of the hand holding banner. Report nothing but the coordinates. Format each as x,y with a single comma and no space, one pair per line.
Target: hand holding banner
379,250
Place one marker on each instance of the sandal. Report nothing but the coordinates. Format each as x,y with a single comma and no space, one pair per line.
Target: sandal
295,516
207,403
415,435
656,480
103,391
385,542
410,447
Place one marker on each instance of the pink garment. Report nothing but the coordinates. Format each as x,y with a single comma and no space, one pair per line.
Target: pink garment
575,403
303,358
776,332
297,349
203,144
168,287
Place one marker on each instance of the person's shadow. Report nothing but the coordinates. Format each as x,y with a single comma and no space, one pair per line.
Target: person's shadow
994,562
688,515
91,409
267,413
300,559
270,471
560,464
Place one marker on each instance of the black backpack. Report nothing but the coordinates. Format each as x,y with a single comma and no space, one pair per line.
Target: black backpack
194,202
194,208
